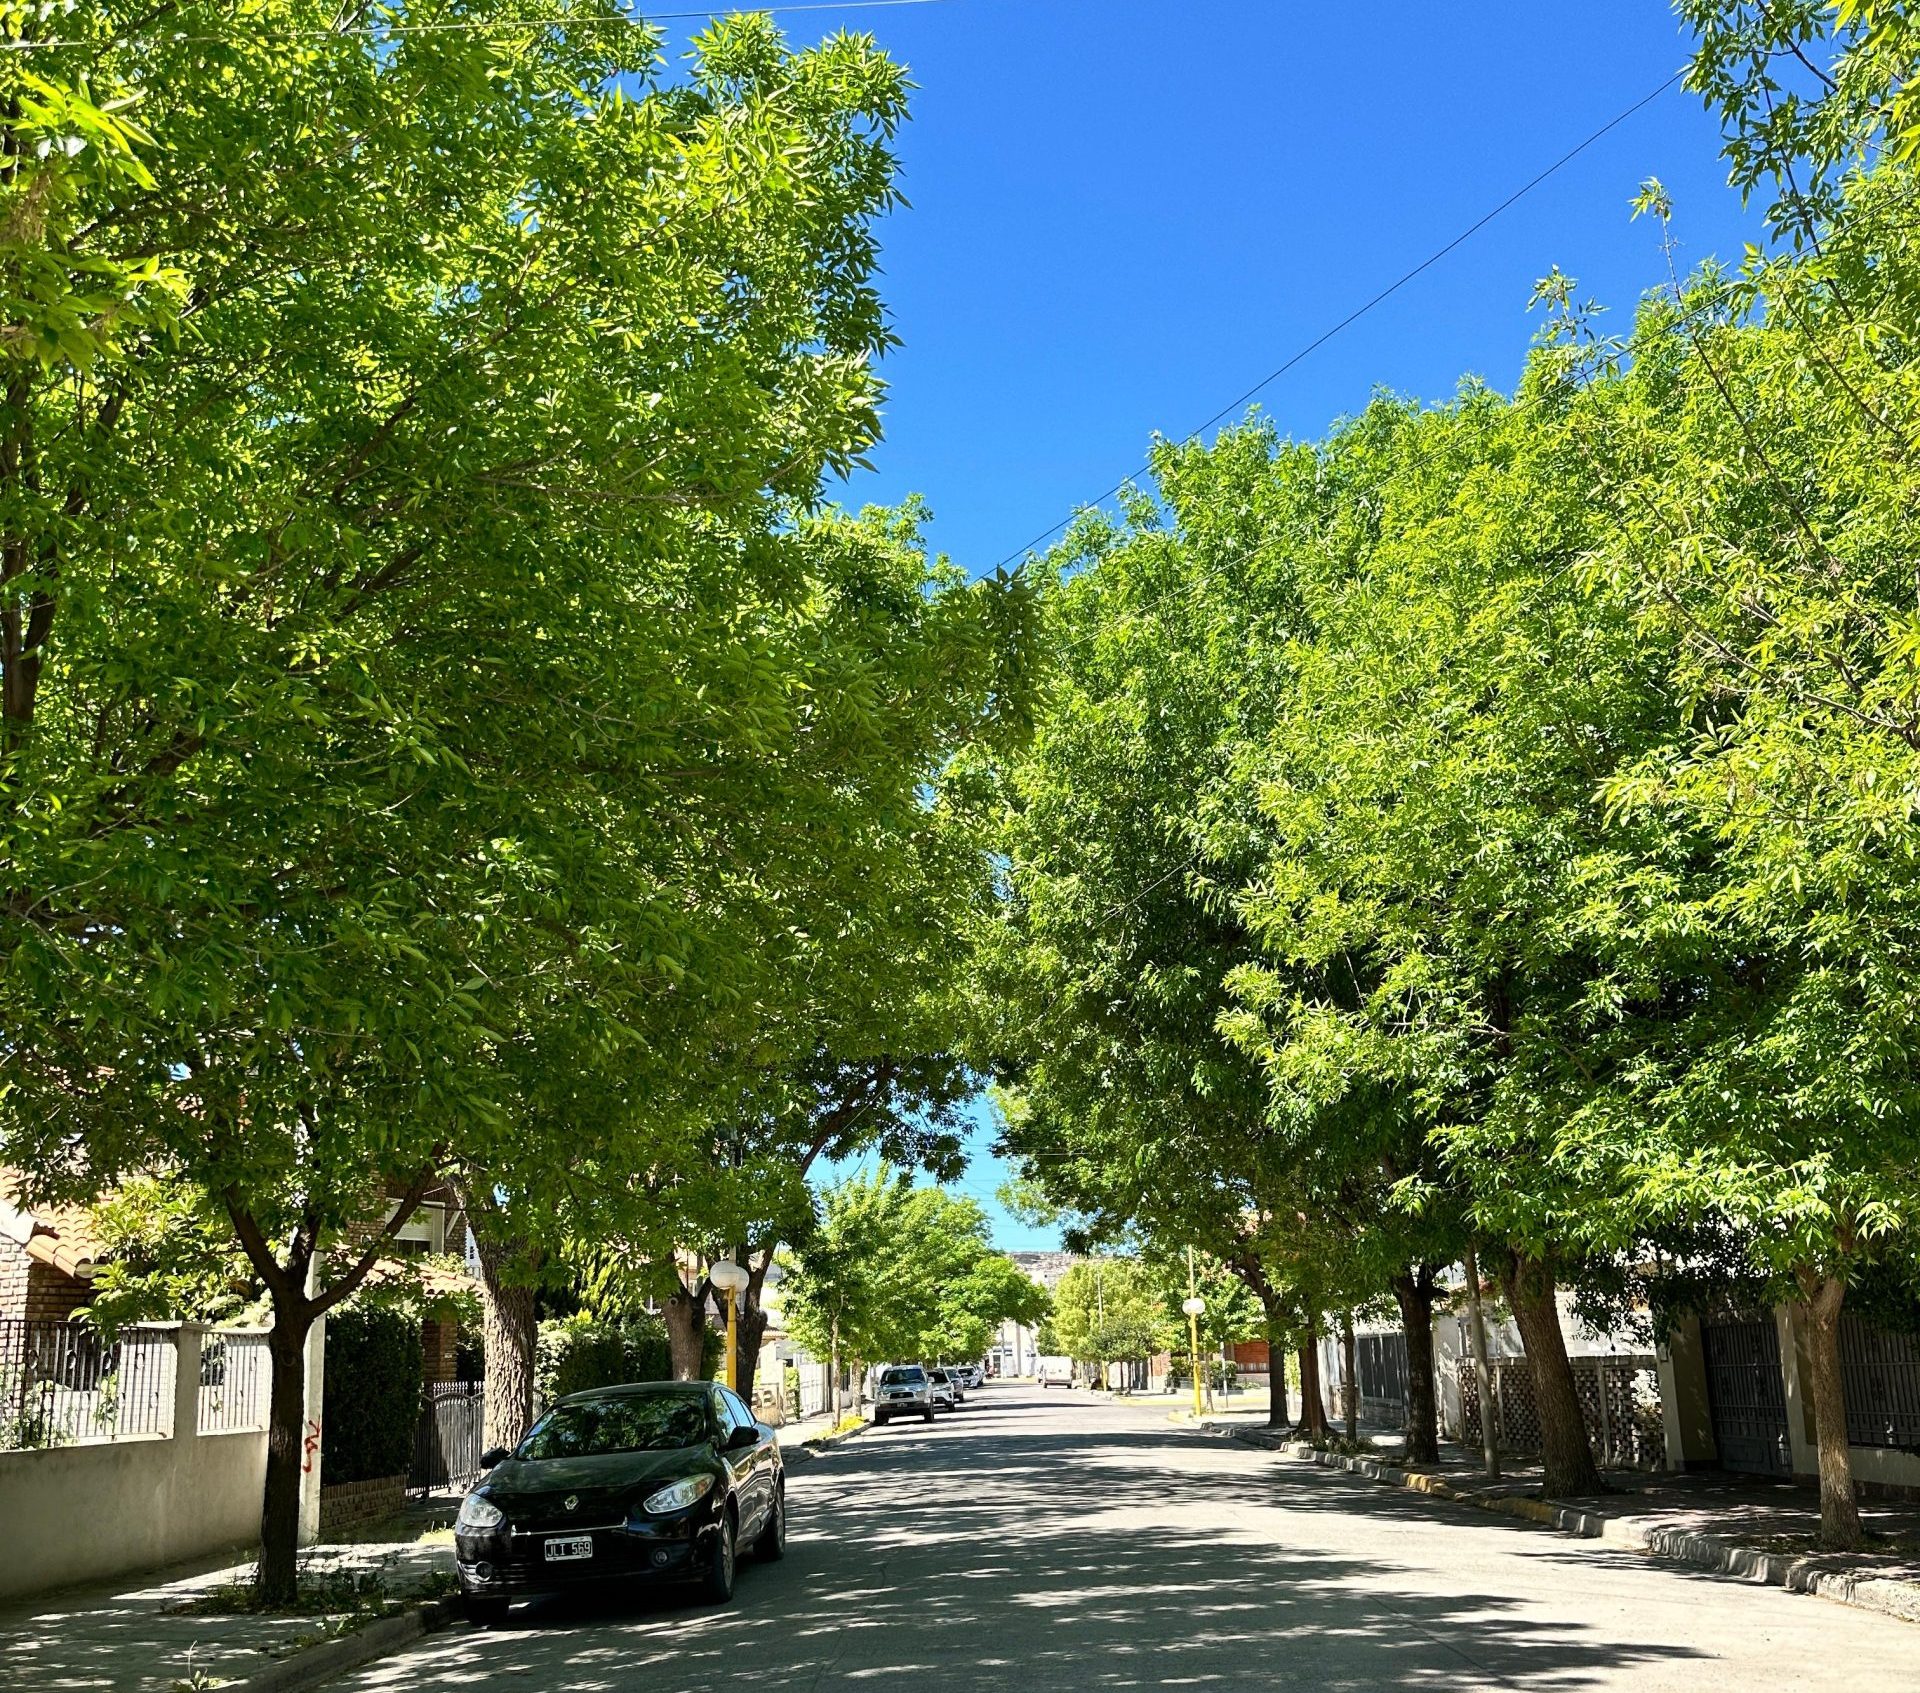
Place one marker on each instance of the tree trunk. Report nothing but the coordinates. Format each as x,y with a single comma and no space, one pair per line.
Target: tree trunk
1350,1384
509,1265
1567,1459
753,1328
279,1573
295,1310
1413,1289
1482,1373
685,1311
1313,1408
1839,1508
1276,1364
753,1325
508,1335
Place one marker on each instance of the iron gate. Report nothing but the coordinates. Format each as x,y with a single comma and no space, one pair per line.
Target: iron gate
1746,1395
1381,1363
446,1439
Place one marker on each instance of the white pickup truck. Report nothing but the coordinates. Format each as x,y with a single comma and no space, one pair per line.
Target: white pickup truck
1053,1370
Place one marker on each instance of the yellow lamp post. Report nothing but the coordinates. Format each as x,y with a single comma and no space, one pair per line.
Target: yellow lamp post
1193,1305
730,1279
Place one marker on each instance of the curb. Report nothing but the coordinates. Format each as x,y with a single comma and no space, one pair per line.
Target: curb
808,1450
318,1664
1646,1536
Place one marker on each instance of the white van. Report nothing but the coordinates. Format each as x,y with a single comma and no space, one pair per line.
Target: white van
1053,1370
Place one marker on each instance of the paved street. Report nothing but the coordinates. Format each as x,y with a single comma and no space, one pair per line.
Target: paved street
1040,1540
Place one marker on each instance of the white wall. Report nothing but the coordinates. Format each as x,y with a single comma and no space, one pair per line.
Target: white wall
83,1513
106,1508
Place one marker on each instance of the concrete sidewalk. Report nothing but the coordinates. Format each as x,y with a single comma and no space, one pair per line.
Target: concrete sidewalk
155,1633
1742,1526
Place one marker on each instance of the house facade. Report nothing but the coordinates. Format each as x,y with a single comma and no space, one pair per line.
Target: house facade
48,1256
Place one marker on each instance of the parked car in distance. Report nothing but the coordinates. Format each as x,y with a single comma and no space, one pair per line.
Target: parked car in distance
970,1376
653,1481
1053,1371
946,1391
903,1390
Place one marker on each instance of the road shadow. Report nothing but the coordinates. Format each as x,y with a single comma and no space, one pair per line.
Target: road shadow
986,1552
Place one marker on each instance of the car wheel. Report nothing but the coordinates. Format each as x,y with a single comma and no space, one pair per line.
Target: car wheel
926,1416
772,1544
485,1611
879,1419
716,1587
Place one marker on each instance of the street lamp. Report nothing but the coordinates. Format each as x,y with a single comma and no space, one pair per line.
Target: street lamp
1193,1305
730,1279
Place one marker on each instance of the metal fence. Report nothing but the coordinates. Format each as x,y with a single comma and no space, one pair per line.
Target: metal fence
236,1381
447,1437
1619,1401
1881,1374
62,1383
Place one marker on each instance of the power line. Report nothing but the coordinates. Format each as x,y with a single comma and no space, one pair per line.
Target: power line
489,26
1188,590
1378,299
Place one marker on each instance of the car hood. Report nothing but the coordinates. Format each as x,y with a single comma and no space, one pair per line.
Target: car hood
606,1480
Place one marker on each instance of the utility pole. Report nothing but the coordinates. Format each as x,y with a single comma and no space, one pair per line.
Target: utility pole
1193,1306
1482,1375
1100,1318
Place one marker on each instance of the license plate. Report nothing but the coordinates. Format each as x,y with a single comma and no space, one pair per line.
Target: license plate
578,1546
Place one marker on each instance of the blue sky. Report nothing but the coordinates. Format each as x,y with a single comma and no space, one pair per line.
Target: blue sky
1123,215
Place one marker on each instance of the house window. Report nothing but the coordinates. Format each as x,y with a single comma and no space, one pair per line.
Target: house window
423,1232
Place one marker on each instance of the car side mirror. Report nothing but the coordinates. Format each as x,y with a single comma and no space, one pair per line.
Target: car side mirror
492,1456
743,1437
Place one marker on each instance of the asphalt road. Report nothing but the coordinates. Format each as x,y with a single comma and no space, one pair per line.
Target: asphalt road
1048,1540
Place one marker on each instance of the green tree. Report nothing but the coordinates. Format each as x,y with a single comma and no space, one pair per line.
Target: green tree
1142,1098
1772,557
1108,1310
430,626
894,1271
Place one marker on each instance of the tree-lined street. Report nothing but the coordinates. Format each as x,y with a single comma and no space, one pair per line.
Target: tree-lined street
531,865
1046,1540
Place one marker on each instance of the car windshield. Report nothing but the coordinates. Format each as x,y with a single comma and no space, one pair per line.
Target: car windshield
592,1428
903,1378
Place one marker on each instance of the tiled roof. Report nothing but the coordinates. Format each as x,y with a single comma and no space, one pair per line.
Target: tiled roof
62,1236
433,1279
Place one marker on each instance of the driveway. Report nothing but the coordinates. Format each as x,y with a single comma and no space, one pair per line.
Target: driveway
1046,1540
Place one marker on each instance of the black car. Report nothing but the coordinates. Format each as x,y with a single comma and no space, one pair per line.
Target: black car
656,1481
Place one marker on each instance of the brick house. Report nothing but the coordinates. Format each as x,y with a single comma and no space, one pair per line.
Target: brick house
48,1256
437,1229
49,1253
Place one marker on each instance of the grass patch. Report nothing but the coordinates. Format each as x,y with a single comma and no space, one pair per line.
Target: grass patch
342,1595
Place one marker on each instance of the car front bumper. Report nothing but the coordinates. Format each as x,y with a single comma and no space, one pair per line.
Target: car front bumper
514,1565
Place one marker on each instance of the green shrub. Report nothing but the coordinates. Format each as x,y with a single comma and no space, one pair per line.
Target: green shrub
576,1353
370,1396
1219,1373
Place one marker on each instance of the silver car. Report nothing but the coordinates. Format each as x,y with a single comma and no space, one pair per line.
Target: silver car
902,1391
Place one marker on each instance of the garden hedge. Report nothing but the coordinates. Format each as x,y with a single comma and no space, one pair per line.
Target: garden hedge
370,1395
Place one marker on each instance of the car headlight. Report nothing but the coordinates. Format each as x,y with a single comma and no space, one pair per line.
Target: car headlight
679,1495
477,1511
